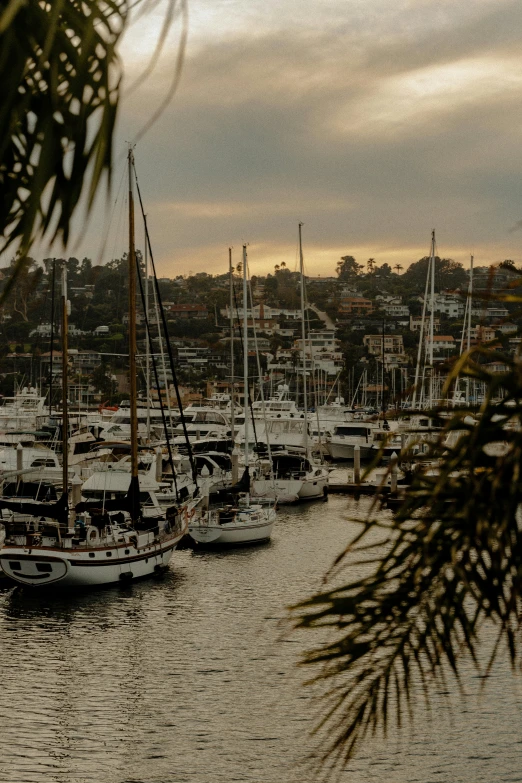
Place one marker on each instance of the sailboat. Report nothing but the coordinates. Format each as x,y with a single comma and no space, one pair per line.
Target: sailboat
315,476
460,397
426,401
237,520
97,542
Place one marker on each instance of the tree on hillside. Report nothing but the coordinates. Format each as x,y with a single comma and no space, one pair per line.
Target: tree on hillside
85,272
348,268
448,274
25,287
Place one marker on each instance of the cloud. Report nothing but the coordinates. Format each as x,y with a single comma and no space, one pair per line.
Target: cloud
516,227
372,123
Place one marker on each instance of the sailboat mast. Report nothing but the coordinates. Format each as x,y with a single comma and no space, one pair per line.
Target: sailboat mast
305,401
65,406
470,305
383,401
147,347
52,342
245,352
134,490
432,314
421,340
232,379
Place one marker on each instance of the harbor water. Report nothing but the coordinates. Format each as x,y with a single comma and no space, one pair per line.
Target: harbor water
193,678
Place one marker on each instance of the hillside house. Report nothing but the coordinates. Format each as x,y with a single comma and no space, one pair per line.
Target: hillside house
393,348
187,311
416,323
449,305
482,334
443,346
355,305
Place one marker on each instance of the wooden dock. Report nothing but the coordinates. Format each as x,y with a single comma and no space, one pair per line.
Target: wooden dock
390,500
349,488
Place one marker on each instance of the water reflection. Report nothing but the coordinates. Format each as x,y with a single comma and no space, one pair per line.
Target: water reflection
187,678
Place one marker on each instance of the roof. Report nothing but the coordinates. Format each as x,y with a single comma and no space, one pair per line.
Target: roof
380,336
187,307
443,338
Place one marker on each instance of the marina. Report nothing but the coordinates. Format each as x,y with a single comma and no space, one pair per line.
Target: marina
260,392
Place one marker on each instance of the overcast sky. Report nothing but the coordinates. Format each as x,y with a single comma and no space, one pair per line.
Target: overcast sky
371,122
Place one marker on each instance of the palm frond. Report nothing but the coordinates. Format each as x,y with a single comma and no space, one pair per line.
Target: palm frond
61,82
452,561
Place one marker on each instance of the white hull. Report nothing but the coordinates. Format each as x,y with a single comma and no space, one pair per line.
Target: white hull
314,487
344,450
281,490
39,566
253,526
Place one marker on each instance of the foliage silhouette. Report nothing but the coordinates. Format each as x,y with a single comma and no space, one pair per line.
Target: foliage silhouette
446,563
61,82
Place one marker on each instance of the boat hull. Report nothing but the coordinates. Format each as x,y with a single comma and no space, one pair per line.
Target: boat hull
233,534
39,567
344,450
281,490
314,488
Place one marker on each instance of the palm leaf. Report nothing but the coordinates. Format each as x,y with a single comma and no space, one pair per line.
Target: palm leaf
61,80
452,562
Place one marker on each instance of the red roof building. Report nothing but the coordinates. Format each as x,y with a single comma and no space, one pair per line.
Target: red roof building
188,311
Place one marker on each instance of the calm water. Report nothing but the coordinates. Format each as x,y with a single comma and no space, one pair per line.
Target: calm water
188,679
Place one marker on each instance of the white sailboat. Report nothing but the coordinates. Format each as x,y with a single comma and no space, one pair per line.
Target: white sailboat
240,522
316,478
422,399
97,543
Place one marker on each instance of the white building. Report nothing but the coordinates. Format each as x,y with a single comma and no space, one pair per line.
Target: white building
416,323
443,346
482,334
508,328
321,351
479,311
262,311
396,310
318,342
44,330
191,356
450,305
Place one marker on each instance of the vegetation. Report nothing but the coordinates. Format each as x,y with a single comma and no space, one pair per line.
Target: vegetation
61,81
448,562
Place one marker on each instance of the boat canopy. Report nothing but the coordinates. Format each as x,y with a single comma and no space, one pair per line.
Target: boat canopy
58,510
